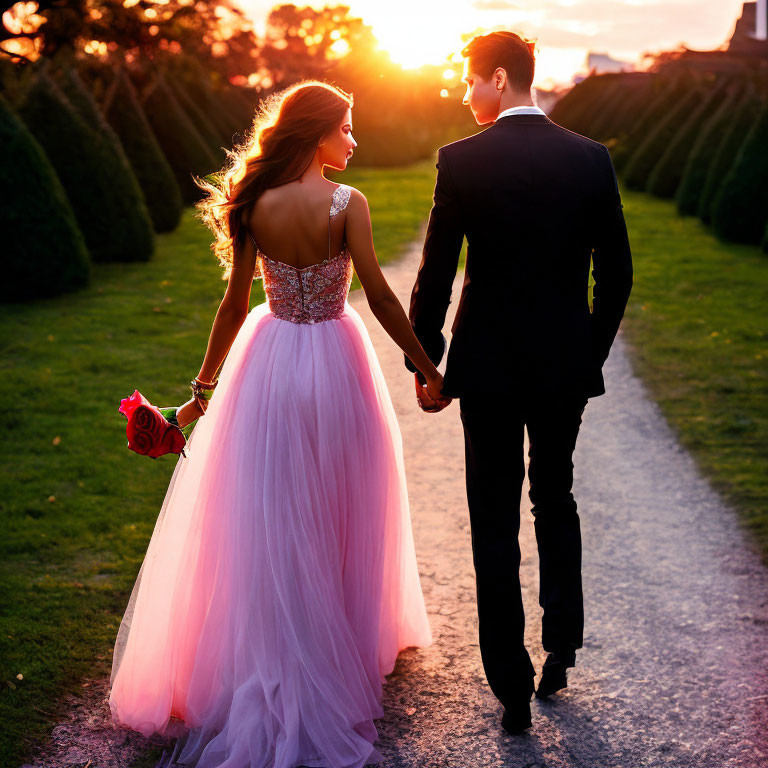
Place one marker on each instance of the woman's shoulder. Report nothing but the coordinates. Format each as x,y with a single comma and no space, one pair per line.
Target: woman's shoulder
353,195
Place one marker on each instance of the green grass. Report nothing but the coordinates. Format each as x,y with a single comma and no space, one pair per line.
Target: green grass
697,323
78,507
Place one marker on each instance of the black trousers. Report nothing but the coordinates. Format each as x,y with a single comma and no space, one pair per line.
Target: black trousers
495,469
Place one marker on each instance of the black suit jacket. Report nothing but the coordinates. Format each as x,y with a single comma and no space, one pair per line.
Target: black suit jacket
534,201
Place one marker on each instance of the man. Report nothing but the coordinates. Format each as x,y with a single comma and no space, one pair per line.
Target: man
535,201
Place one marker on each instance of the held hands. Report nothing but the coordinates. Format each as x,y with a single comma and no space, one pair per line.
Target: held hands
428,395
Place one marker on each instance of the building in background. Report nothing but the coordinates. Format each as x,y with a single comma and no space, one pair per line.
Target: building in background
750,36
598,63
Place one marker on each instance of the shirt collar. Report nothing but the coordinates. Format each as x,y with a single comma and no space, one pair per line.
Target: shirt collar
526,109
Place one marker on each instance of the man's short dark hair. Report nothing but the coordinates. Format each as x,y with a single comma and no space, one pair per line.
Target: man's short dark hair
503,49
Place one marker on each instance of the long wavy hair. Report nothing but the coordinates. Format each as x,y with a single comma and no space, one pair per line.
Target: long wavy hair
277,149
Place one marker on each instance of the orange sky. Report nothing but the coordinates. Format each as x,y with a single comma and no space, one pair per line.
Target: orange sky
566,29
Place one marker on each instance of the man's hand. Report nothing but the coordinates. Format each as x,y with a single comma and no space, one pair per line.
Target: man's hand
428,395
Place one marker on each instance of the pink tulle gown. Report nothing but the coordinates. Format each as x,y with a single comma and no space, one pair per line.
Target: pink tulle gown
280,581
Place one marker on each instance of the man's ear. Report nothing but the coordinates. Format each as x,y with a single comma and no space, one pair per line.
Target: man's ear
500,78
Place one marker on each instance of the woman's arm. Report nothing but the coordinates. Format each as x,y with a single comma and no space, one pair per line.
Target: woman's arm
383,303
231,314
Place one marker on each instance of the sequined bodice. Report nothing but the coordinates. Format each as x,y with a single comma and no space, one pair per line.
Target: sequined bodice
315,293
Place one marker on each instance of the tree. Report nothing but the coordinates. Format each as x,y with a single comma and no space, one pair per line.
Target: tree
216,32
704,148
306,42
132,230
181,142
622,115
227,118
663,95
740,209
596,104
646,156
45,252
668,171
87,171
199,119
152,169
742,120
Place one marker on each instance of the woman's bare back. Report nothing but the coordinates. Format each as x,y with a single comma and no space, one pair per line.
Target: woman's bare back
290,223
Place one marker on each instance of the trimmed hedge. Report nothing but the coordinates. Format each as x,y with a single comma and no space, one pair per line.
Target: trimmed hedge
240,104
227,119
646,156
84,168
700,158
740,209
132,230
45,251
566,104
606,114
602,108
636,92
152,169
576,111
226,123
651,108
663,96
199,118
667,173
742,120
181,142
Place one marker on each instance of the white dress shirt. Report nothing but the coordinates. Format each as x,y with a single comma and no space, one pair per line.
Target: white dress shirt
526,109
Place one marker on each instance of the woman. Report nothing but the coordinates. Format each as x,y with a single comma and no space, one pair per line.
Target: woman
280,582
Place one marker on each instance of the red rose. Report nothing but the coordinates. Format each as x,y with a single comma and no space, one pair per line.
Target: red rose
149,432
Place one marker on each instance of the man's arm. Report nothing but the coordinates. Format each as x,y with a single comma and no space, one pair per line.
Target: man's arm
611,265
431,293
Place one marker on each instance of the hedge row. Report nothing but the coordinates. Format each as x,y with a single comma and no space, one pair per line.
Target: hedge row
108,177
45,250
698,137
690,192
725,155
153,171
740,209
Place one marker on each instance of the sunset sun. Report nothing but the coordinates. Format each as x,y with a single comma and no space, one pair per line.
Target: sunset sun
417,34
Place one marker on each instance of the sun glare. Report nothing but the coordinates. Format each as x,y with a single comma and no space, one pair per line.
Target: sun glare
415,34
432,35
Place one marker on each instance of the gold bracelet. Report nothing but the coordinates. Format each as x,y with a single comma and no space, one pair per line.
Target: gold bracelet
201,387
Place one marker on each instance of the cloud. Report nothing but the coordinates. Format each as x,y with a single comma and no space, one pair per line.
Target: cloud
495,5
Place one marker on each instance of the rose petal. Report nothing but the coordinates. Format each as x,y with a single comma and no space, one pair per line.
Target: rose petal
129,404
172,441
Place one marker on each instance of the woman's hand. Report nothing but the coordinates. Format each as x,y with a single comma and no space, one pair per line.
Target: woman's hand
434,385
188,412
429,396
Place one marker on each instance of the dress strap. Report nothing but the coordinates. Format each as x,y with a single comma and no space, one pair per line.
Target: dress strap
339,201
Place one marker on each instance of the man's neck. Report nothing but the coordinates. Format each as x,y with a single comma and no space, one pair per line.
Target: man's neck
513,99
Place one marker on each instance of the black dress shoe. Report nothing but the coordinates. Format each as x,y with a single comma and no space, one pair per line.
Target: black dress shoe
553,675
517,717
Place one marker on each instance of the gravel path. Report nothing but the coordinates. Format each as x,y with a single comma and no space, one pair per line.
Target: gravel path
673,669
674,666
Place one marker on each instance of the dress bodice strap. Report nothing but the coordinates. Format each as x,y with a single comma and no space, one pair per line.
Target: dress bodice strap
339,201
